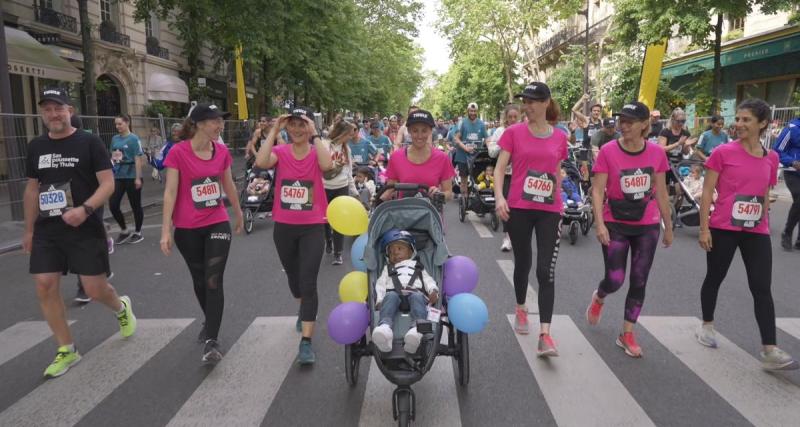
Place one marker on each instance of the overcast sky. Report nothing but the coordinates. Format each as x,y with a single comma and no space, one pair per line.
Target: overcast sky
437,50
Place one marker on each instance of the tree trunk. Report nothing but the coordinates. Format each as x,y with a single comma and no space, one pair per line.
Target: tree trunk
509,89
90,93
717,66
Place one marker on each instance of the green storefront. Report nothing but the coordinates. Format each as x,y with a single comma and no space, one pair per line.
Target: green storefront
765,66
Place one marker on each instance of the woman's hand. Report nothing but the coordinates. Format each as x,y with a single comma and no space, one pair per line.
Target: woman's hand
602,234
668,235
239,222
166,243
705,240
433,298
501,207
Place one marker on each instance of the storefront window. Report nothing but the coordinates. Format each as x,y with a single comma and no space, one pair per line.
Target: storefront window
752,90
779,92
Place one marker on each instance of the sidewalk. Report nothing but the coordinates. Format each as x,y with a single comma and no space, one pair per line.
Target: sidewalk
152,195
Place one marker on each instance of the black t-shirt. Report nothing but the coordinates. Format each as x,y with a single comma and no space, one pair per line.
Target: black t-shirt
675,154
589,131
655,130
73,160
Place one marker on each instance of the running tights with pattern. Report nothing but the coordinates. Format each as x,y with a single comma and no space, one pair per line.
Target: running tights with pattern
205,250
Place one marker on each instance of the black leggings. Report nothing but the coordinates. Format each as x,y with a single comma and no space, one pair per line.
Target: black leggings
330,233
521,224
642,248
506,186
793,184
122,186
300,249
756,250
205,250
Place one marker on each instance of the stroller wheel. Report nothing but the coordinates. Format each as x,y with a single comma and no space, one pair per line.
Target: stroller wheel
586,223
493,221
352,360
573,232
249,218
461,360
462,208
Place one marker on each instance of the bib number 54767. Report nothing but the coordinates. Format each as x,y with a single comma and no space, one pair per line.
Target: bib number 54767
294,195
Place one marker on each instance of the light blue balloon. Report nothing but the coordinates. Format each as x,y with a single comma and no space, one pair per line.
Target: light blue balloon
467,313
357,253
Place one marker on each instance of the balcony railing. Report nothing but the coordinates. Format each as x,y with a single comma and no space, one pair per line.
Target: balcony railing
573,34
116,38
158,51
55,19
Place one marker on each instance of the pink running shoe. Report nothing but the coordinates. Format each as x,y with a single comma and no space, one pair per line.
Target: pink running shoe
547,348
627,342
594,311
521,321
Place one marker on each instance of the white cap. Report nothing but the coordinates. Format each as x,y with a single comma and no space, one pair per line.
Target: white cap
472,106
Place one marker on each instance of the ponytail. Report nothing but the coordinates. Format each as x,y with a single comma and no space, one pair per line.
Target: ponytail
188,130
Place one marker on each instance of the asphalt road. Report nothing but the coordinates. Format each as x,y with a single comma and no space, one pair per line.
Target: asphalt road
156,377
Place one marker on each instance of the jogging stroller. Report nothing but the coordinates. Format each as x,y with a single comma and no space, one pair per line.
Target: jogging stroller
419,217
479,201
686,209
256,196
576,216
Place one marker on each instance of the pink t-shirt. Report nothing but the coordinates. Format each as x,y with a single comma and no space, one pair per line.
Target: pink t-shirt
431,173
743,183
631,177
299,193
199,199
536,162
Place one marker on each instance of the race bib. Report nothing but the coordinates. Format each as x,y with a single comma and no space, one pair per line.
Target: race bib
116,156
747,211
636,184
472,137
358,158
54,199
434,314
297,195
538,187
206,192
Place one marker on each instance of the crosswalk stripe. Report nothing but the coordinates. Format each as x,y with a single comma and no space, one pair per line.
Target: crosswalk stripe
22,336
480,227
531,301
240,389
789,325
65,400
767,400
436,397
580,389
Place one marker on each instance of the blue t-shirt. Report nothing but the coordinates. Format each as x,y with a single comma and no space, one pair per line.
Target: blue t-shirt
709,141
472,134
124,150
362,150
381,143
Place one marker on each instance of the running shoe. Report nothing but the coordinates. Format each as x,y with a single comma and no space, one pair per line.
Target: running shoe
627,341
110,243
211,353
136,237
64,360
412,340
547,347
506,246
306,356
328,246
778,360
786,242
81,296
123,237
203,335
797,244
337,259
127,321
382,337
521,321
594,311
705,335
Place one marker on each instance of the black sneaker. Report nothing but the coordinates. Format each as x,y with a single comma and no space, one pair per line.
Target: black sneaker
136,237
337,259
797,244
81,296
203,335
786,242
123,238
328,246
211,352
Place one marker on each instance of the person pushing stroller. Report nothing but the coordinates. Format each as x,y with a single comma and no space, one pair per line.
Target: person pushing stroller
403,277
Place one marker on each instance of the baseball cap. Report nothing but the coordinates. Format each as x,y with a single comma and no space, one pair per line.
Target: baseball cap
634,110
302,111
374,125
472,106
655,113
610,122
420,116
205,111
55,94
536,90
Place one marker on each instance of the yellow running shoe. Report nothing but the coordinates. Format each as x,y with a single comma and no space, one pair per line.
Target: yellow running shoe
64,360
127,321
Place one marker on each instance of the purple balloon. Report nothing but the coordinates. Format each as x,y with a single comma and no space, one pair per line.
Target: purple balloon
460,275
348,322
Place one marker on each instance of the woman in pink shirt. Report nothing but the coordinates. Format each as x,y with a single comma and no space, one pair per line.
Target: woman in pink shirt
299,212
198,169
742,172
535,150
629,196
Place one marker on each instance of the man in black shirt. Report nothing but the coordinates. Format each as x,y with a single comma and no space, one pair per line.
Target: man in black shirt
69,177
609,133
655,124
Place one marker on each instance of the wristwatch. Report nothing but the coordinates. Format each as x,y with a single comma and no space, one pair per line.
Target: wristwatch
89,210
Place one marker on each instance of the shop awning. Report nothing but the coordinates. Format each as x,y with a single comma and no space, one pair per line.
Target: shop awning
166,87
28,57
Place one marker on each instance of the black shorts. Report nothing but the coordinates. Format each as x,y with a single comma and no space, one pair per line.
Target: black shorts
463,169
69,252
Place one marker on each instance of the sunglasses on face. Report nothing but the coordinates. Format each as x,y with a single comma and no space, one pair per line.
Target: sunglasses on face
680,121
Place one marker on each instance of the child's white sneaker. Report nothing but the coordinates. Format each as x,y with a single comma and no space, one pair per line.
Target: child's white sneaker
412,340
382,337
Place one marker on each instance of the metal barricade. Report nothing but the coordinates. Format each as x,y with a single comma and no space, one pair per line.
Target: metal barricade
778,120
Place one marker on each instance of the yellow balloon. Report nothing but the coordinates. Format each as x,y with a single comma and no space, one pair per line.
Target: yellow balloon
353,287
347,216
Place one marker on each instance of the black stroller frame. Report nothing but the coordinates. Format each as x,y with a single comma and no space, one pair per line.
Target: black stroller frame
480,202
575,218
260,203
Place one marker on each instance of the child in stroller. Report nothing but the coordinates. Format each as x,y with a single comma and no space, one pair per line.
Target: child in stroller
485,180
570,191
402,278
257,196
365,185
577,208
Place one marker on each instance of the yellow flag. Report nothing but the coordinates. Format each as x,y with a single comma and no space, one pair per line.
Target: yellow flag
241,98
651,73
